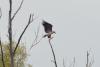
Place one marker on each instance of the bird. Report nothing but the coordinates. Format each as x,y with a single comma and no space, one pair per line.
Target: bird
48,29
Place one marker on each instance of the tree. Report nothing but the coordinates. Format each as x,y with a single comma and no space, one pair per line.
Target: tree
19,58
11,16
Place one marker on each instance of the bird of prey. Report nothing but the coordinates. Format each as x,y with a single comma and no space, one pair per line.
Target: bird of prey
48,28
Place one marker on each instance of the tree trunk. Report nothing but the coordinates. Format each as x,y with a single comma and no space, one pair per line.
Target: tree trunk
10,35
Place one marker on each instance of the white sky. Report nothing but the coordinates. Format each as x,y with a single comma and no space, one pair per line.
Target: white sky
76,22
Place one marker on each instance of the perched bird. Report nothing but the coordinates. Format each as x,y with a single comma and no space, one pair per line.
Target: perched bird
48,28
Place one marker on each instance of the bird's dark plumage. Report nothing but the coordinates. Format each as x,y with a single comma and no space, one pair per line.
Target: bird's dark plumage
47,28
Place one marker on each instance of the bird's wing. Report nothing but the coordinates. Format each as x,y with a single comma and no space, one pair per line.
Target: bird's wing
47,27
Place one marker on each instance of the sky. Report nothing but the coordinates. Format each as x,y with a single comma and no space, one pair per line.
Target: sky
77,26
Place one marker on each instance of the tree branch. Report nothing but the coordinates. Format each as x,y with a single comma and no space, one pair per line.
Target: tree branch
87,64
17,10
29,22
90,59
37,33
64,63
36,43
55,62
3,63
0,13
36,37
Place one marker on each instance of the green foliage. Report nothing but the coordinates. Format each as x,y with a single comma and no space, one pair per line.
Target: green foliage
19,58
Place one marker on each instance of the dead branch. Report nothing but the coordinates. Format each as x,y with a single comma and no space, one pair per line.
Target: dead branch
17,10
0,13
64,63
72,63
36,43
2,54
90,60
36,37
37,33
87,64
35,40
29,22
55,62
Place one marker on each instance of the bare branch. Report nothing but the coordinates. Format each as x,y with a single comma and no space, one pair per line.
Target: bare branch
87,64
29,22
64,63
90,59
72,63
55,62
91,62
2,55
36,43
17,10
0,13
36,34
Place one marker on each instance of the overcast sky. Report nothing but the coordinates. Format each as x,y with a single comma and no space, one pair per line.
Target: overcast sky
77,26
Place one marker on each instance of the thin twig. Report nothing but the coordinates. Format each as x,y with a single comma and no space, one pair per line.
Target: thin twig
87,64
36,43
0,13
37,33
29,22
64,63
90,59
3,63
35,40
17,10
72,64
55,62
40,38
